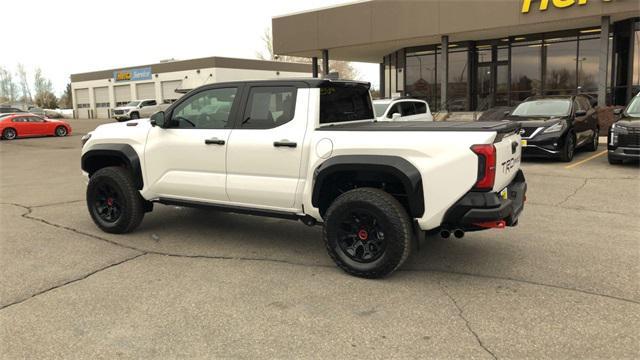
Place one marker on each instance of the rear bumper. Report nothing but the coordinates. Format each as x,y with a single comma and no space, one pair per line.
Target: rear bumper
475,209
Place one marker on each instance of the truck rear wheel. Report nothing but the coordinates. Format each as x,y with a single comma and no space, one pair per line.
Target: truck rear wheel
113,200
367,233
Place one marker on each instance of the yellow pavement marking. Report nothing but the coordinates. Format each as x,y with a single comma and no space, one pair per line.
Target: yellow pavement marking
585,160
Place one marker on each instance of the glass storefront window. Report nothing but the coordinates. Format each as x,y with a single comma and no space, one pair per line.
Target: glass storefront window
422,78
636,62
525,72
561,76
588,65
457,85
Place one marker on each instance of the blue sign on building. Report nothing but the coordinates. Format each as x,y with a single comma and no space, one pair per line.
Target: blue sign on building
132,74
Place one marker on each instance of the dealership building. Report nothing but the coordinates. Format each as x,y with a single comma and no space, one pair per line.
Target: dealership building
466,55
95,94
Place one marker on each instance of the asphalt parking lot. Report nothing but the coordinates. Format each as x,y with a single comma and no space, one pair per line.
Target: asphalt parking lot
193,283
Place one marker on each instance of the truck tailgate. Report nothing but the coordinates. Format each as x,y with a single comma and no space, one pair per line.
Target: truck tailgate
508,154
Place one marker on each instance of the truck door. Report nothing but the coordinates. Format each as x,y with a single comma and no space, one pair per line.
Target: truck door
265,147
187,159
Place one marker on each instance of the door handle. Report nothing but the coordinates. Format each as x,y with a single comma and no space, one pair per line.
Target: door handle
214,141
285,143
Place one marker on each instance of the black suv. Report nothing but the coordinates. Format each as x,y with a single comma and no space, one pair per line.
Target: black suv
555,126
623,140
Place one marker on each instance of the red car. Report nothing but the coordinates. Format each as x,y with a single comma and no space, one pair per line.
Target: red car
25,125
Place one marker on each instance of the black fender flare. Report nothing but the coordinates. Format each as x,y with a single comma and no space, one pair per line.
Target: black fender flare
396,166
124,152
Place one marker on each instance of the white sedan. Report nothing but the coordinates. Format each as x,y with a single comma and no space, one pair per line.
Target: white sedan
402,110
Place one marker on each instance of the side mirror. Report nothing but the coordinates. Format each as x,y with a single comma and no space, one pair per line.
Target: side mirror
396,116
157,119
581,113
617,111
506,112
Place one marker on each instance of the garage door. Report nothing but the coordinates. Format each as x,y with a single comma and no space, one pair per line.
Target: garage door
82,103
169,93
146,91
123,94
101,97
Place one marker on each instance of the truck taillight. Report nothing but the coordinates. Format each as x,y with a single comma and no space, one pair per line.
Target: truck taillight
486,166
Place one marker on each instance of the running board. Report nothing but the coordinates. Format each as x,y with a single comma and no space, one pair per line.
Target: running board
232,209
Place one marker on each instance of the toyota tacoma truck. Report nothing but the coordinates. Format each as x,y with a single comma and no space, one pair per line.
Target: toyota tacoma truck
309,150
137,109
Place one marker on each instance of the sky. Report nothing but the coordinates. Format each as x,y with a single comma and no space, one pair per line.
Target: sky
65,37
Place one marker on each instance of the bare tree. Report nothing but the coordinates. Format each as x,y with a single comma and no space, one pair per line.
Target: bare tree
344,68
8,88
45,97
24,85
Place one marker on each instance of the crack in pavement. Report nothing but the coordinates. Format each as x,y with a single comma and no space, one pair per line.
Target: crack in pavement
466,321
2,307
584,183
27,214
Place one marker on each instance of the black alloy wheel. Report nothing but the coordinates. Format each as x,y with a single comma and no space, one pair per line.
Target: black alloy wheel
135,116
593,145
107,203
361,236
569,148
367,233
113,200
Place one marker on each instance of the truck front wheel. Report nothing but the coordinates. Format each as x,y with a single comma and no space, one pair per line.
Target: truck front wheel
114,203
367,233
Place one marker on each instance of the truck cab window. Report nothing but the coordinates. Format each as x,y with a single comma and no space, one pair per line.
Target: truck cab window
208,109
269,107
340,103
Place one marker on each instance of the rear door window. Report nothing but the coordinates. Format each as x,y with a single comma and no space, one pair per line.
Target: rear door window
269,107
421,108
345,102
407,108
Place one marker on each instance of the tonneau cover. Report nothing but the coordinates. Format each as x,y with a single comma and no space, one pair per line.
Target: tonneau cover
497,126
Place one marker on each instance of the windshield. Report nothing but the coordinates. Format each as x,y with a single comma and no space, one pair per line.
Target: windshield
634,107
548,107
379,108
133,103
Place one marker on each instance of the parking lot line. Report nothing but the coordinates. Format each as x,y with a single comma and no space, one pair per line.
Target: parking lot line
585,160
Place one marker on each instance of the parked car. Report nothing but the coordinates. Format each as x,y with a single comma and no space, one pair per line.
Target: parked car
10,110
37,111
623,139
555,126
309,150
27,125
402,110
137,109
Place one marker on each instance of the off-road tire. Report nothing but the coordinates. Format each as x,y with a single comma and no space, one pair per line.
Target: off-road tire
568,149
131,203
392,217
593,145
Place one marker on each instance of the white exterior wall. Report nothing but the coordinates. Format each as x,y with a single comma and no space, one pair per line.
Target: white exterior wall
190,79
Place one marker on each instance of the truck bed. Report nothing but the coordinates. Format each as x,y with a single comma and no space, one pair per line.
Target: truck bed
500,127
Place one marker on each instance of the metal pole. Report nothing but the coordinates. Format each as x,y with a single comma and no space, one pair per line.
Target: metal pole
604,61
444,72
314,66
325,62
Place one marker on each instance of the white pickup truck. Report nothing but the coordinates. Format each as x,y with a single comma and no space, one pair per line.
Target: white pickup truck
137,109
309,150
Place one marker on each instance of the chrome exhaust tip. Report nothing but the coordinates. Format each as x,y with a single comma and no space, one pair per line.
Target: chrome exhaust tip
458,233
445,234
